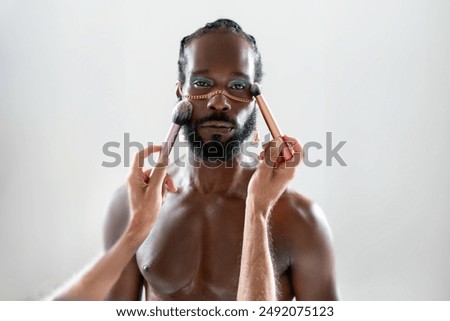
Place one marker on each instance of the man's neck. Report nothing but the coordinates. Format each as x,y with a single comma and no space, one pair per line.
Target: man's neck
216,177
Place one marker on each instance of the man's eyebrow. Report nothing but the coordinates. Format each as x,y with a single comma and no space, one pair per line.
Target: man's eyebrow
199,72
241,74
205,72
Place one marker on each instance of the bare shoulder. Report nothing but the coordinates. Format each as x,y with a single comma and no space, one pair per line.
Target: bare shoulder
301,215
118,212
302,229
117,216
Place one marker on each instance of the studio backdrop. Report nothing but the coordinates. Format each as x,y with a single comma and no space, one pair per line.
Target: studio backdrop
369,76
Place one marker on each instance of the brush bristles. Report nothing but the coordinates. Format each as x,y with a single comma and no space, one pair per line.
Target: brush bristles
182,112
255,89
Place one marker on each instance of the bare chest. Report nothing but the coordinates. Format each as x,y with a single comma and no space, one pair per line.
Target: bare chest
194,249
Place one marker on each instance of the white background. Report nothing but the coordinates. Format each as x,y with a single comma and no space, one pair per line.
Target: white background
77,74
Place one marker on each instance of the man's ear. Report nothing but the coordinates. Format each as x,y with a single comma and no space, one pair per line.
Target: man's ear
178,91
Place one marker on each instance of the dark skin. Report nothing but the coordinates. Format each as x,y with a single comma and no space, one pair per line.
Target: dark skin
193,251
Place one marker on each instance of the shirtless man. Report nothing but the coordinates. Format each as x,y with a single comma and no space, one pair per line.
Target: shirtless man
228,232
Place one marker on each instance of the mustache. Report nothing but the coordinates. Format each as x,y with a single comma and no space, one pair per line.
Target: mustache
214,117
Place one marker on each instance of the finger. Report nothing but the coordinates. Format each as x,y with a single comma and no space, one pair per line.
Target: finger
139,157
265,145
163,195
275,149
292,142
297,148
170,185
146,174
271,154
286,153
163,192
157,175
287,150
261,155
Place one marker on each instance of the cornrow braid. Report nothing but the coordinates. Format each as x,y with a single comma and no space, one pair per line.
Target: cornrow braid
218,25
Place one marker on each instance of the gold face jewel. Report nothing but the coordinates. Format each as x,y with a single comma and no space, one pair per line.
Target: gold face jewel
212,94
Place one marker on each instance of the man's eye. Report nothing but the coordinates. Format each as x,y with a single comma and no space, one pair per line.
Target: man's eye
201,83
238,86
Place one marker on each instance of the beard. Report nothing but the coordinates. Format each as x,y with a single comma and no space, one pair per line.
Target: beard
217,150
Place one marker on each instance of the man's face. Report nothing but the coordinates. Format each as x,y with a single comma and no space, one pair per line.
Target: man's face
219,124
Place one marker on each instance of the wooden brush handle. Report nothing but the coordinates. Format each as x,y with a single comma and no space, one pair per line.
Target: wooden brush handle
287,152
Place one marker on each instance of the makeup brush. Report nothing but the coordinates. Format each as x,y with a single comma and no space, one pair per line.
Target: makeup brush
287,152
181,114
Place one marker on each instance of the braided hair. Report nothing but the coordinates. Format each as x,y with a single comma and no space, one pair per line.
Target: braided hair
226,25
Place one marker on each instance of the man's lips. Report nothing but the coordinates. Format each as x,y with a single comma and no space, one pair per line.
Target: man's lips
217,124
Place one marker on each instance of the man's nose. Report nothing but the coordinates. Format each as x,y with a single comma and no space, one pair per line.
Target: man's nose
219,102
